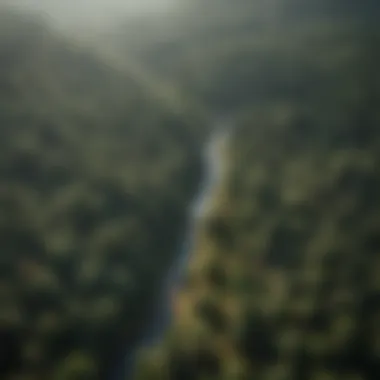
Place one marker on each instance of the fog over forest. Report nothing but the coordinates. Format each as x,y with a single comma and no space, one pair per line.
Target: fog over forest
106,108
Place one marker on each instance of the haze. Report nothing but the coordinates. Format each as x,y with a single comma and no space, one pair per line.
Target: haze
93,12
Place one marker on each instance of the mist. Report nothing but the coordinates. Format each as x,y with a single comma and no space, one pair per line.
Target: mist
93,14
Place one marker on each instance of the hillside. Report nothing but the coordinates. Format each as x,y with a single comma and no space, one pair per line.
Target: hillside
283,283
95,176
99,157
222,53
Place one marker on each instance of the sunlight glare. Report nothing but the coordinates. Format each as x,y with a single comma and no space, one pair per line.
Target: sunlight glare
96,12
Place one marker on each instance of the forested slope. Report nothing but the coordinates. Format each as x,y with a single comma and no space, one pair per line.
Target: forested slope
95,176
98,163
229,54
284,280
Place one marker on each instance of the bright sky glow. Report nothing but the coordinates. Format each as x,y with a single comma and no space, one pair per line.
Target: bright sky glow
95,12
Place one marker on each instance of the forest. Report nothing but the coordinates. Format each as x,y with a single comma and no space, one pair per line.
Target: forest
95,175
100,157
283,282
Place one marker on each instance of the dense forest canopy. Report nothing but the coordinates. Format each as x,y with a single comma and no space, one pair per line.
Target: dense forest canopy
101,129
95,176
224,53
283,282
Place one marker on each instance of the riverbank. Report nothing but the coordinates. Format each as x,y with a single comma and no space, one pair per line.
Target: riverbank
122,354
187,289
165,303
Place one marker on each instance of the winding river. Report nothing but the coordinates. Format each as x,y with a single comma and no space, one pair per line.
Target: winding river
213,171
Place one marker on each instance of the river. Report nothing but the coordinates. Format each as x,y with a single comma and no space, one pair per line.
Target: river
198,208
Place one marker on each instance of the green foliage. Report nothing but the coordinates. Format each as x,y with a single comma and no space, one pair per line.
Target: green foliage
77,366
95,176
299,214
98,161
